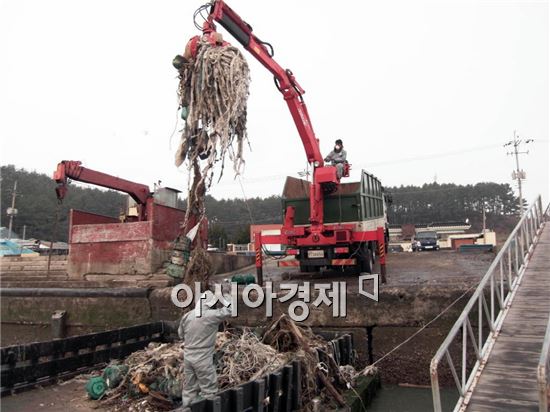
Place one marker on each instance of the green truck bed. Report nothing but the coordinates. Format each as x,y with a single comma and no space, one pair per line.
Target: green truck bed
352,202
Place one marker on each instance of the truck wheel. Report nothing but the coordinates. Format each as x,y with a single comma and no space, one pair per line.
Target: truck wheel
373,247
364,259
365,265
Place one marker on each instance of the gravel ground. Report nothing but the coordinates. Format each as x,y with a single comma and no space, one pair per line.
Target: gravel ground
434,268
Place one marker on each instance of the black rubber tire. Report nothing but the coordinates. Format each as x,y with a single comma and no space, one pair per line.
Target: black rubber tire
364,258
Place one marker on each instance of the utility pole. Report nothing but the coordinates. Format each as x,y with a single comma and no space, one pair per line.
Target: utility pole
305,173
12,211
518,174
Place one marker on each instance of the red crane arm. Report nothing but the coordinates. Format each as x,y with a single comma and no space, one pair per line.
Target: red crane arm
68,169
284,79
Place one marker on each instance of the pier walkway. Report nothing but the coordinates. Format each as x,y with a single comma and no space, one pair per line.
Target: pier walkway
505,328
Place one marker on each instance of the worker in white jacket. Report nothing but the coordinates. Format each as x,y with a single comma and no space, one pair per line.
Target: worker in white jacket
198,329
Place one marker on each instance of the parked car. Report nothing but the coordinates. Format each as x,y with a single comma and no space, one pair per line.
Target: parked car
425,241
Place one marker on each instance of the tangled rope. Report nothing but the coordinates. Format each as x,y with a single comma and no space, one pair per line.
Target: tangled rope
198,268
213,94
245,358
155,375
213,90
316,363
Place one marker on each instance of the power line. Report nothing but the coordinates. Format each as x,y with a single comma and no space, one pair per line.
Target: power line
246,201
388,162
432,155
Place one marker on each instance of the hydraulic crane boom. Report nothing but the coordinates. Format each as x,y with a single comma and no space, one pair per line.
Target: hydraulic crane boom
324,177
286,83
69,169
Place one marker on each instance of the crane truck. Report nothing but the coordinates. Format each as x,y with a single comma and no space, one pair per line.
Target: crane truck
326,223
142,196
139,241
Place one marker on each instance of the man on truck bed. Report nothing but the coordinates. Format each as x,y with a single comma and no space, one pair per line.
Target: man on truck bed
337,157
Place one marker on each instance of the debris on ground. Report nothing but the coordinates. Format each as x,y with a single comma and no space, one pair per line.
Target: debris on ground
316,361
152,379
245,358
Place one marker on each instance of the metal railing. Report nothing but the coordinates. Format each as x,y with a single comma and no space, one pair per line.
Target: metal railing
543,368
492,299
543,371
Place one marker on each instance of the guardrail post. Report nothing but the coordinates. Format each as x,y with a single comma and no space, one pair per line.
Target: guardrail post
509,269
530,230
543,372
492,299
464,347
480,325
435,386
516,262
501,297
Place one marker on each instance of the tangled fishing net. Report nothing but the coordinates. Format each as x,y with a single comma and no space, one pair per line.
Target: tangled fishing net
245,358
151,379
198,268
213,95
147,380
316,361
213,90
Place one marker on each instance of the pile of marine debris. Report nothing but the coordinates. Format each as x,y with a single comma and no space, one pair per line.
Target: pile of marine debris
152,379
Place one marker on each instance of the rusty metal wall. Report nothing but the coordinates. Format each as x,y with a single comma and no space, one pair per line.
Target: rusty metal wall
123,248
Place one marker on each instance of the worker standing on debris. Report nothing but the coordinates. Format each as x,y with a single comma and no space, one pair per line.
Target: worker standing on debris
198,329
337,157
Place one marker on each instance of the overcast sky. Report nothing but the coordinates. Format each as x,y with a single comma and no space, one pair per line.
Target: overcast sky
417,90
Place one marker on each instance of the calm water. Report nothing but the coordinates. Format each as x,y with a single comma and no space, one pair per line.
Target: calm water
399,399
